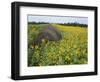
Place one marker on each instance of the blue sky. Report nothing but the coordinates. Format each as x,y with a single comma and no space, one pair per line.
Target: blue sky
57,19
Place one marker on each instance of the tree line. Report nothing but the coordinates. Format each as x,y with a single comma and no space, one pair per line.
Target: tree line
65,24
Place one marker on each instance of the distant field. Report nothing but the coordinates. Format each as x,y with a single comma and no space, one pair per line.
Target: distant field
72,49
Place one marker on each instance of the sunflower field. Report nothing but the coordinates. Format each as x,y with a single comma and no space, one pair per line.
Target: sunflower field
70,50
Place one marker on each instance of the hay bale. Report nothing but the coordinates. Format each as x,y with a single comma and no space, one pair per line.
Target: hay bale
49,34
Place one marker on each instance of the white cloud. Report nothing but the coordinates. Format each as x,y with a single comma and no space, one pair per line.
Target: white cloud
57,19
